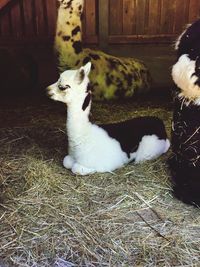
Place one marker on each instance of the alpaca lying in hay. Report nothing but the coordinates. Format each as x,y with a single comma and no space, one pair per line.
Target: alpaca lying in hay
103,148
111,77
185,162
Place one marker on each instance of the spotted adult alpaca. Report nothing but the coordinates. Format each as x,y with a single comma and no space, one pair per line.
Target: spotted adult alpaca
103,148
185,161
111,77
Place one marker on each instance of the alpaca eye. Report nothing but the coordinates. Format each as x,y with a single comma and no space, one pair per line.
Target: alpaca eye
63,87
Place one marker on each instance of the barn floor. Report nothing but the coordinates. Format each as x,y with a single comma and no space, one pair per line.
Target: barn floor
49,217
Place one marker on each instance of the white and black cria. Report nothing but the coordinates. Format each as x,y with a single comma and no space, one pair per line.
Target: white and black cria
103,148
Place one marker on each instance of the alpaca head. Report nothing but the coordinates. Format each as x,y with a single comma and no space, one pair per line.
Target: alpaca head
186,71
72,87
189,41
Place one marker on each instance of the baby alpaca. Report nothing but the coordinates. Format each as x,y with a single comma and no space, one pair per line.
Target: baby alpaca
185,161
103,148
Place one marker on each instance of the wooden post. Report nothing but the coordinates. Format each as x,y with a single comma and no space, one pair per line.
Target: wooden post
103,23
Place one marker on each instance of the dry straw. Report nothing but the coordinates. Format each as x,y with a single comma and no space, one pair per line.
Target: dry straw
49,217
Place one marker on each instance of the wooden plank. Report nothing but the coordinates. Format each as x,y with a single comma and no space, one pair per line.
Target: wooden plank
5,25
28,18
92,39
51,7
4,3
153,39
167,21
129,17
115,15
103,23
26,41
16,20
41,23
90,14
154,16
181,15
140,21
194,10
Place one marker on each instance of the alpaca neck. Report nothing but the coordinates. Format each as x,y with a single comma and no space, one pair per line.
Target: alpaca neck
68,40
78,124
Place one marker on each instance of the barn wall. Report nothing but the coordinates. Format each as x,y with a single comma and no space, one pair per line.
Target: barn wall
126,21
34,21
149,20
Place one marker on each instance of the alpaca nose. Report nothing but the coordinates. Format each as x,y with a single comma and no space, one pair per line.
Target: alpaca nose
48,91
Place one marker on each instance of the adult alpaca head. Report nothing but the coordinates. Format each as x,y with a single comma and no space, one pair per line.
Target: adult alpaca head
72,88
186,71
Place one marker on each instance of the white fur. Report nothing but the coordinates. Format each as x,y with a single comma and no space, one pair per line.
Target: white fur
91,149
151,147
182,74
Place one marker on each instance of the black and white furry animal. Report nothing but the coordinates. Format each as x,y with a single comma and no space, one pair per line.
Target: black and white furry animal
185,161
103,148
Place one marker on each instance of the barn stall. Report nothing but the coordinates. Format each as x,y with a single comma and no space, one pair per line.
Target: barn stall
50,217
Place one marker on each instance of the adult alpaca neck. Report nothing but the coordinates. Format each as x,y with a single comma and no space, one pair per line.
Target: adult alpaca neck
68,40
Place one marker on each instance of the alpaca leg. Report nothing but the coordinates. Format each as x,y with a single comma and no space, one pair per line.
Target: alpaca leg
79,169
68,162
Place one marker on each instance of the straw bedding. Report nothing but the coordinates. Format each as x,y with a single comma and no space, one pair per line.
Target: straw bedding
49,217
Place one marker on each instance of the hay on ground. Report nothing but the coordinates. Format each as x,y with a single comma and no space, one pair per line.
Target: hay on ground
50,217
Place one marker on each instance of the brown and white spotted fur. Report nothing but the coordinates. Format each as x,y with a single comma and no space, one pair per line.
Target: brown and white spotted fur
111,77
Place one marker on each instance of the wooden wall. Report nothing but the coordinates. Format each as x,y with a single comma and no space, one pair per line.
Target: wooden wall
23,21
113,21
149,20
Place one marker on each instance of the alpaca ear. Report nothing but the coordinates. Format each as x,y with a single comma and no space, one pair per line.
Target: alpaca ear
83,71
87,68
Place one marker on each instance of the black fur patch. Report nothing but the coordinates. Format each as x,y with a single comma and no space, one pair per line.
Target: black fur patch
76,30
89,87
77,45
86,60
129,133
190,41
94,56
197,71
69,4
66,38
86,101
186,182
80,7
185,163
120,92
82,75
129,79
108,79
77,62
113,63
